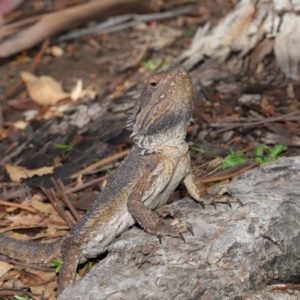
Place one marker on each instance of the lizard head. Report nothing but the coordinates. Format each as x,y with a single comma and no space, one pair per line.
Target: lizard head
164,110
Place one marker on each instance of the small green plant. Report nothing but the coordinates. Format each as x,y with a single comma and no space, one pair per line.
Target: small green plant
273,153
190,32
90,264
68,148
259,152
167,62
233,159
22,298
65,148
152,64
58,265
202,151
199,150
109,171
12,79
263,154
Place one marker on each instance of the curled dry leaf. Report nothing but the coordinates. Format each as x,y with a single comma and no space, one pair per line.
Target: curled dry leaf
45,208
47,290
56,51
5,267
77,91
30,278
43,90
16,173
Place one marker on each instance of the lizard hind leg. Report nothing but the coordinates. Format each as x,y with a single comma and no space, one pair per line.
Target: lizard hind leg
71,254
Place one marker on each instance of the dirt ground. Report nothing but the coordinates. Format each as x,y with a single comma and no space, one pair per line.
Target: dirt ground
73,135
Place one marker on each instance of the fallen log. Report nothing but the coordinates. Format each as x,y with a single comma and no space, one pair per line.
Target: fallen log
238,253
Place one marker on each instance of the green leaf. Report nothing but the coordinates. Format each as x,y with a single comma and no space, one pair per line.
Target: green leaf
273,153
276,150
202,151
152,64
21,298
58,265
198,150
66,148
167,62
109,171
190,32
259,152
233,159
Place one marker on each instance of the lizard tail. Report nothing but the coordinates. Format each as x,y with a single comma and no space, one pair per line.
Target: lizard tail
30,252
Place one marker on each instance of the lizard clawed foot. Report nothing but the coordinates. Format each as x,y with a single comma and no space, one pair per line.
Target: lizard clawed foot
167,211
224,195
175,228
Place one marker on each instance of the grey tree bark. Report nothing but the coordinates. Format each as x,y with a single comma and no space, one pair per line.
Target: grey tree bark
238,253
246,35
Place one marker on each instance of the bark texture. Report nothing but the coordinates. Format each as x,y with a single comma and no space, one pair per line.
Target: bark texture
250,32
238,253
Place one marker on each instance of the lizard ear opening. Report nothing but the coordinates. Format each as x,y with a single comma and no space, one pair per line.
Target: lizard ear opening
153,83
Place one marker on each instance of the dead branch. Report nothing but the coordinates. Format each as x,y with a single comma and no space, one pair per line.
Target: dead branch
126,21
52,23
252,25
246,122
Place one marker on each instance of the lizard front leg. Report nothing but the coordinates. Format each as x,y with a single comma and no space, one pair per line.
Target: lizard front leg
151,222
198,192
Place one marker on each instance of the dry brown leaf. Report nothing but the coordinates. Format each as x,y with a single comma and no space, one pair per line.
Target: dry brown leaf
45,208
4,267
43,90
16,173
24,219
48,290
57,51
29,278
20,125
77,91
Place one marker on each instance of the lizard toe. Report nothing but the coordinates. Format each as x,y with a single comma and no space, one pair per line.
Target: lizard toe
175,228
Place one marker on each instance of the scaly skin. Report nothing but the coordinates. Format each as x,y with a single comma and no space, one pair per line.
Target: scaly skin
157,163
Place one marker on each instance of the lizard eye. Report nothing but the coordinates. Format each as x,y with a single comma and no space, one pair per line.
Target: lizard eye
153,83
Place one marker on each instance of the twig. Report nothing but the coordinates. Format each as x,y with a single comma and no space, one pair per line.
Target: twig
2,99
87,184
32,266
11,228
31,68
229,173
11,28
115,23
57,205
101,163
61,208
67,200
21,206
235,123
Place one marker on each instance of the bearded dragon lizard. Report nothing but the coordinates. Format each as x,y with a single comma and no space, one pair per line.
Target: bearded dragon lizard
157,163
